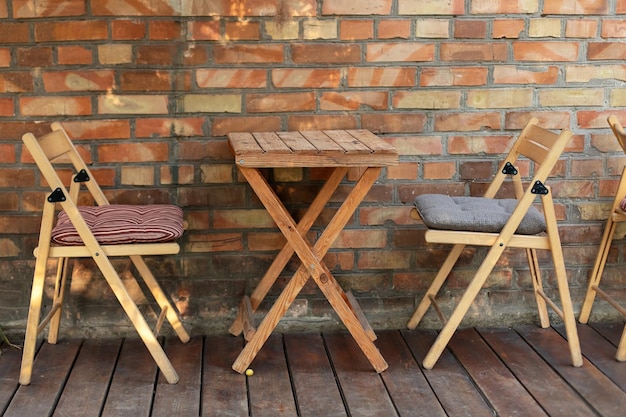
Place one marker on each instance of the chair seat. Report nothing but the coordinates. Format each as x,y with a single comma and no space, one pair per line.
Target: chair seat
622,204
123,224
475,214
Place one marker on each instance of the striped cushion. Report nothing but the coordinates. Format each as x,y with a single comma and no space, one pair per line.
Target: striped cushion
118,224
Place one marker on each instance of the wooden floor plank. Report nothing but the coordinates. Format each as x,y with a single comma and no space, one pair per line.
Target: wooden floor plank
363,389
551,392
405,382
181,399
316,390
133,382
601,352
224,391
476,357
10,359
448,379
597,389
88,383
270,386
611,331
50,370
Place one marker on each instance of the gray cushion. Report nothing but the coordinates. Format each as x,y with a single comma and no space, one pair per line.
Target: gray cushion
475,214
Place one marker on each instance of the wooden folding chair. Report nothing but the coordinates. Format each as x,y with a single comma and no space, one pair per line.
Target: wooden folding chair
500,223
100,232
617,215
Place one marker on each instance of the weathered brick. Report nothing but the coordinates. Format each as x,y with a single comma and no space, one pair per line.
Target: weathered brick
145,80
55,106
231,78
306,78
545,51
466,122
606,51
239,54
451,76
575,28
544,28
320,29
244,30
393,122
431,99
212,103
14,32
164,30
57,81
586,168
224,125
282,10
475,145
321,122
287,102
160,55
166,127
38,56
504,6
133,152
137,175
132,104
439,170
5,57
14,82
403,171
7,107
572,97
431,7
400,52
500,98
348,7
115,54
90,30
7,154
136,8
325,53
510,74
4,11
97,129
432,28
354,100
473,51
388,29
576,7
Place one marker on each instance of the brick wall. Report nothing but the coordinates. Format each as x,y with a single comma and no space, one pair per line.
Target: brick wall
150,88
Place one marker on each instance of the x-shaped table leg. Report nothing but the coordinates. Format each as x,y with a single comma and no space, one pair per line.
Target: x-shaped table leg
312,266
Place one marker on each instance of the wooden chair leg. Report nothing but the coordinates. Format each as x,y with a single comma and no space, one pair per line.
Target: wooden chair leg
568,311
57,301
598,269
621,349
161,298
535,275
435,286
32,324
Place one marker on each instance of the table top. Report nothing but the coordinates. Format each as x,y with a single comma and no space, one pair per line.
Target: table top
313,148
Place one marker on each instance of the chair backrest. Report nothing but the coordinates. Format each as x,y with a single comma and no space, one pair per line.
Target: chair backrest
539,145
56,148
618,130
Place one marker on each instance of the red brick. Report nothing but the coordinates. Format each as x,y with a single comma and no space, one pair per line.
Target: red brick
7,107
439,170
13,82
164,30
7,153
284,10
412,7
97,129
620,7
146,80
503,7
221,126
71,31
388,29
466,122
78,81
38,56
545,51
507,28
26,9
400,52
167,127
122,29
203,30
470,29
549,119
356,29
575,28
321,122
576,7
381,77
354,100
245,30
586,168
273,103
473,51
393,122
606,51
133,152
74,55
473,145
5,57
135,8
162,55
403,171
231,78
241,54
4,12
14,32
132,104
326,53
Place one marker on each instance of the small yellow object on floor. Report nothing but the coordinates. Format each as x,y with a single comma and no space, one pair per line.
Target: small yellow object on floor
249,372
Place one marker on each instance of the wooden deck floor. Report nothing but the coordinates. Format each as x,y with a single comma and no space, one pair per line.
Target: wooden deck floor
484,372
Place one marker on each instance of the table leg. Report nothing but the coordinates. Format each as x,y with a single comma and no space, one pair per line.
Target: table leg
279,263
311,259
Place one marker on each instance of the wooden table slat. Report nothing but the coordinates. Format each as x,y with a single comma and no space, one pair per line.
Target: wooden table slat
297,142
271,142
349,143
321,141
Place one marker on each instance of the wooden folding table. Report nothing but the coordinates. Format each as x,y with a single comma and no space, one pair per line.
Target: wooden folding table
336,149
